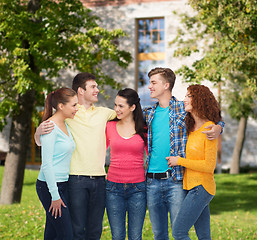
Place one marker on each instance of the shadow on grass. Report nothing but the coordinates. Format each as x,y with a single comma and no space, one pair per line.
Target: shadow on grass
235,195
29,183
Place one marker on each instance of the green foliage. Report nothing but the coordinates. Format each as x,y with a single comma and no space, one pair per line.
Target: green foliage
233,211
225,33
37,42
240,98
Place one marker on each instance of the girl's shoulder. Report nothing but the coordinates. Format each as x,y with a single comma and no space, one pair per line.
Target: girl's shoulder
208,123
111,123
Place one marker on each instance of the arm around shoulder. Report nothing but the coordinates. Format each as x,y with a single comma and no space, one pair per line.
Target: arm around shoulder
37,136
213,131
44,128
111,114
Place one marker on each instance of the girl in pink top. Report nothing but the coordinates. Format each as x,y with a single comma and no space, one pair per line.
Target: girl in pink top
125,186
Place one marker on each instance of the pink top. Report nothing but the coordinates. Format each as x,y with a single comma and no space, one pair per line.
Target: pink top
127,156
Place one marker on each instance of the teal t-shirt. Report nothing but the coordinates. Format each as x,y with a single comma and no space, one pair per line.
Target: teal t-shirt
160,141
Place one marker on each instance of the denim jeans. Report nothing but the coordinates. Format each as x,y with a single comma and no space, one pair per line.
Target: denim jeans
194,211
163,196
59,228
87,205
122,198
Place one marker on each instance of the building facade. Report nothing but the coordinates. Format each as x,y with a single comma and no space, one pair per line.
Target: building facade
150,26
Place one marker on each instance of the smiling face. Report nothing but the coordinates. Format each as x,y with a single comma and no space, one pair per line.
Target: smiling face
187,102
70,108
122,108
91,92
157,86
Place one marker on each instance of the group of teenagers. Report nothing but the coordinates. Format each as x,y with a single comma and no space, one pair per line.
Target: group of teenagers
176,181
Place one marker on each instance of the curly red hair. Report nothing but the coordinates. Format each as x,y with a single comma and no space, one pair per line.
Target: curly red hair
204,105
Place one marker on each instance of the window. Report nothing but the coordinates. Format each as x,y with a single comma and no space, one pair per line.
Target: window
150,53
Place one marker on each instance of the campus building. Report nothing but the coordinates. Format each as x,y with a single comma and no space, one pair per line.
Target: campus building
150,26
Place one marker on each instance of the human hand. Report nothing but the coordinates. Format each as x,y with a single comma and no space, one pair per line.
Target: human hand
214,131
172,161
45,127
56,208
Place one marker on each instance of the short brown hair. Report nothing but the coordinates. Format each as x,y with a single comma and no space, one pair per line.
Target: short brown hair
166,73
80,80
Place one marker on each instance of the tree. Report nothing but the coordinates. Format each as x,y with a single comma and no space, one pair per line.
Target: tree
38,38
241,106
225,33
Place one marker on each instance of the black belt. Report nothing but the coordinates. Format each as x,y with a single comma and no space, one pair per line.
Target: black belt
164,175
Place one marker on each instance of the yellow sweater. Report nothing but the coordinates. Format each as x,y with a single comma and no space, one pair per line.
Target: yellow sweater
88,131
200,161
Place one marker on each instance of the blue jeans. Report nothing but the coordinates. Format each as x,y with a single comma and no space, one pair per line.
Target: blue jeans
194,211
87,205
122,198
59,228
163,196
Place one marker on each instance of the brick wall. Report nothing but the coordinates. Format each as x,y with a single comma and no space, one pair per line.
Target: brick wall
101,3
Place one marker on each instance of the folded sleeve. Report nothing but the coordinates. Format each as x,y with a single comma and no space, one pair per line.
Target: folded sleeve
222,124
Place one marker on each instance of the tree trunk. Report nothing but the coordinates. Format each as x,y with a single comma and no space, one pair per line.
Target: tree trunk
20,135
16,158
235,164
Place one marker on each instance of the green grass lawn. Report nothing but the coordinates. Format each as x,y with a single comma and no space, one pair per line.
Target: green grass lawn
233,211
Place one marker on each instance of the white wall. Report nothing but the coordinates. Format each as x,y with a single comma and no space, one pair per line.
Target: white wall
124,17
